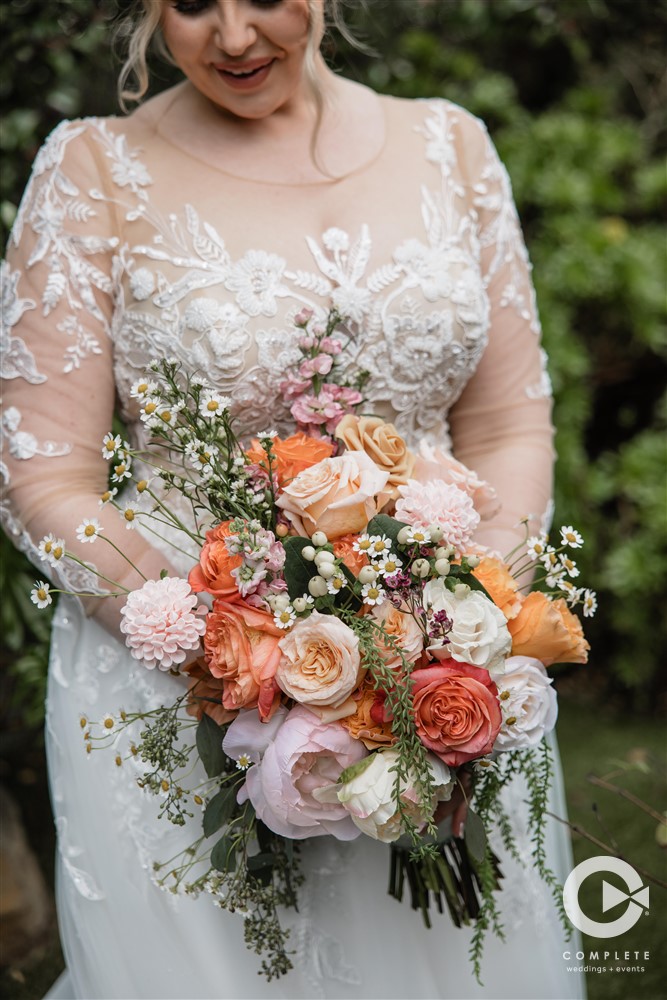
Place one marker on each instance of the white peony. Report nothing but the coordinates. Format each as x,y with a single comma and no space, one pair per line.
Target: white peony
479,632
528,703
368,795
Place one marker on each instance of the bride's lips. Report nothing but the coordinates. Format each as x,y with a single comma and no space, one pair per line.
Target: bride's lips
245,76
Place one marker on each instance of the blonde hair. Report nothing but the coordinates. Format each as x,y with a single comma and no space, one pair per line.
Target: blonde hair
141,28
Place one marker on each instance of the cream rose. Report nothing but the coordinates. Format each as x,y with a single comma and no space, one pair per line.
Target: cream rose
368,795
320,664
336,496
528,703
479,633
403,629
382,443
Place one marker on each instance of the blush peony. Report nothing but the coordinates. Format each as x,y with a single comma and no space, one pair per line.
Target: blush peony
432,463
304,755
457,713
437,502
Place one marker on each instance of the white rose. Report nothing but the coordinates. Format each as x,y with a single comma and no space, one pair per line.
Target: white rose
528,703
368,795
479,632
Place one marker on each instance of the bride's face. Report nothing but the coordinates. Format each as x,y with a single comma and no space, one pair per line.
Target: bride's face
247,56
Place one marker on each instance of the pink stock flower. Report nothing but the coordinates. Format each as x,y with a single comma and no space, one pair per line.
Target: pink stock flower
319,365
437,502
303,316
292,386
303,755
331,345
160,623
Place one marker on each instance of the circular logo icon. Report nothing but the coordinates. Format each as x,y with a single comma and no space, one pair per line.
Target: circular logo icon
636,897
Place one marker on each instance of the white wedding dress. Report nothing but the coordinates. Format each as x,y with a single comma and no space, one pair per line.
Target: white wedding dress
129,246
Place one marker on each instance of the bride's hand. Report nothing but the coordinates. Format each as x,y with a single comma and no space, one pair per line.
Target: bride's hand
457,806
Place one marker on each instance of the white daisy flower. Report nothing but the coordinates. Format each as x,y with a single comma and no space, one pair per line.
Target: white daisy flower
536,546
380,546
149,409
363,543
549,560
336,583
200,454
167,414
372,593
262,435
418,536
388,565
111,443
129,513
554,579
108,721
199,382
590,603
143,388
88,530
484,764
570,536
40,595
52,549
243,761
107,496
212,404
123,470
573,594
569,565
285,618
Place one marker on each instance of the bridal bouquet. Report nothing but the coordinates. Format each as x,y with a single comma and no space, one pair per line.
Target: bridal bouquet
364,661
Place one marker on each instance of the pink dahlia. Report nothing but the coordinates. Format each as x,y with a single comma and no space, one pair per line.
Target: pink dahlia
437,502
160,623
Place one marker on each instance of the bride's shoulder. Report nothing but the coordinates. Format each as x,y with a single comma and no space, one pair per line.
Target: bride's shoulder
436,112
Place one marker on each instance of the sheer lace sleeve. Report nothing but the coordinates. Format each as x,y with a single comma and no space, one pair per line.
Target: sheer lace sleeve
58,292
501,425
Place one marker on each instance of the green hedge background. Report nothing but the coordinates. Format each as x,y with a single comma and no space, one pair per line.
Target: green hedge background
573,93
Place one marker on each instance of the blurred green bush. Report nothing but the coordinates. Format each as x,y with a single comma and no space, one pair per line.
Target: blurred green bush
573,92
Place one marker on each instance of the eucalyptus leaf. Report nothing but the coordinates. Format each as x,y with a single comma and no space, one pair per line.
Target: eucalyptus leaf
219,810
209,746
475,836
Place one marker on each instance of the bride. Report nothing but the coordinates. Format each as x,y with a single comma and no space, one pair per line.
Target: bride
197,227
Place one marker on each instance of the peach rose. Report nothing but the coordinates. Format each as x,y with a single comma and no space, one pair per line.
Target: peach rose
241,647
501,586
205,693
293,455
214,572
343,549
382,443
548,631
363,727
457,713
338,495
403,628
320,664
432,463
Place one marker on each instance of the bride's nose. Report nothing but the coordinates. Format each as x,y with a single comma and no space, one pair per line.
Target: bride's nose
235,30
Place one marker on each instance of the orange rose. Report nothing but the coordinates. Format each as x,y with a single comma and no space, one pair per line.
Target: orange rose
337,496
500,585
292,455
548,631
205,695
241,648
354,560
382,443
362,726
214,572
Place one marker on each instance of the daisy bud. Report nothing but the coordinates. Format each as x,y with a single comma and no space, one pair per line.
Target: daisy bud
436,532
317,586
308,552
324,557
318,538
404,535
421,568
326,570
367,574
442,567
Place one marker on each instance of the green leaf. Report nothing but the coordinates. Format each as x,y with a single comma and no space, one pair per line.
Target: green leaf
223,855
259,862
457,575
475,836
298,570
382,524
219,810
209,746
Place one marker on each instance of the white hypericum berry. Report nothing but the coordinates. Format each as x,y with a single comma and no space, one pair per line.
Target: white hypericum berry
308,553
367,574
318,538
317,586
